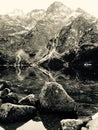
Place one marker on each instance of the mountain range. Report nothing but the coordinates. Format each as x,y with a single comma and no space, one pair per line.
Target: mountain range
58,26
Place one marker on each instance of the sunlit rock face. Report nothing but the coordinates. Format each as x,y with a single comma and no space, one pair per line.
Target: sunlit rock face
32,125
33,29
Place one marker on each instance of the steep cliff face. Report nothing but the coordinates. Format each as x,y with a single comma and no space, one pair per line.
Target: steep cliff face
82,29
77,42
32,31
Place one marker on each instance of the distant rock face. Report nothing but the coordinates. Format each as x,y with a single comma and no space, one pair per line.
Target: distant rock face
54,19
71,124
73,31
57,10
54,97
49,27
12,113
34,16
81,29
77,42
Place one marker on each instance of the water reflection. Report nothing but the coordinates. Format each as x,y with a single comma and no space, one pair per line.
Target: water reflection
80,84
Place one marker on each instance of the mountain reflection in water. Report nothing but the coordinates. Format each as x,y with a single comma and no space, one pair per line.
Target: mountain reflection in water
81,85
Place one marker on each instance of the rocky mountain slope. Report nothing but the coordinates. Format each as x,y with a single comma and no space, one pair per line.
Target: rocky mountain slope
44,24
77,42
58,32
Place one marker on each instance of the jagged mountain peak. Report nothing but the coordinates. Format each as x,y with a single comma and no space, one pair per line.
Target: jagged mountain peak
17,12
56,4
57,8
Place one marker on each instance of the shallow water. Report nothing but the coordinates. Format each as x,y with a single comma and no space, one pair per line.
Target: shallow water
81,86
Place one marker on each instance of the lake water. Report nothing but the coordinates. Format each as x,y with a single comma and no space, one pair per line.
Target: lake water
81,85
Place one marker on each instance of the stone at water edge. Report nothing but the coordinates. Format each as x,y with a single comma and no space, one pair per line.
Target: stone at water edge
95,116
71,124
53,97
84,128
28,100
12,113
32,125
93,124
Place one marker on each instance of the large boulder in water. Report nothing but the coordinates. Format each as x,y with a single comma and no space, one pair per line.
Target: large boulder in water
12,113
53,97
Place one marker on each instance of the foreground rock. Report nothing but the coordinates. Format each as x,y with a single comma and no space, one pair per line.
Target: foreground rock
71,124
10,97
53,97
12,113
28,100
32,125
92,125
4,92
95,116
5,84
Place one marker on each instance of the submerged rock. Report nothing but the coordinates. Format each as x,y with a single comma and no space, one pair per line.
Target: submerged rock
53,97
28,100
71,124
12,113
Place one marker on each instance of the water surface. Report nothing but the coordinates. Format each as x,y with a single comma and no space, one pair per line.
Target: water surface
81,86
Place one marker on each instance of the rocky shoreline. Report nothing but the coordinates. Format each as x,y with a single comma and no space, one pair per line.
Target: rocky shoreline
52,98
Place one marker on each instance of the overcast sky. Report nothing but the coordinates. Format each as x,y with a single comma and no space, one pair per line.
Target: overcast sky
90,6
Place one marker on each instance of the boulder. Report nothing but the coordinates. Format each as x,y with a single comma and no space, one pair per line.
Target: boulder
30,125
11,98
71,124
5,84
95,116
84,128
12,113
28,100
93,124
4,92
53,97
